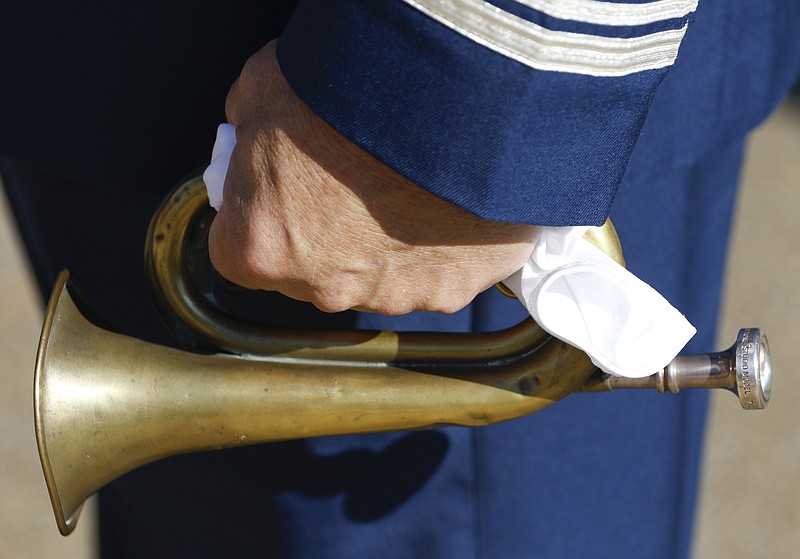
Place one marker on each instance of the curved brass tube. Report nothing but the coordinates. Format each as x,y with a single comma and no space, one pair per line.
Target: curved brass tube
106,403
178,234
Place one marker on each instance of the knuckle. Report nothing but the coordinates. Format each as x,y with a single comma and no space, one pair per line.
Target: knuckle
239,261
399,306
450,303
389,301
332,300
228,265
391,309
447,308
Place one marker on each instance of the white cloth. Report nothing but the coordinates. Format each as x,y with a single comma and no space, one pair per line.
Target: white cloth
579,294
572,289
214,175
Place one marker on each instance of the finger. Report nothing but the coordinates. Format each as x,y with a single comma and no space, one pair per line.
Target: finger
220,252
232,102
259,66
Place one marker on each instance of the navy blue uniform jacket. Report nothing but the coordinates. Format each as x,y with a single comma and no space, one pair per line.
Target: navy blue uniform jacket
534,111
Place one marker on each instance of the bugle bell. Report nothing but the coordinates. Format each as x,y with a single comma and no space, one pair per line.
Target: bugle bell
106,403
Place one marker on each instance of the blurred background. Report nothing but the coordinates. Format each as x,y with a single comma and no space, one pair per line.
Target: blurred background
749,503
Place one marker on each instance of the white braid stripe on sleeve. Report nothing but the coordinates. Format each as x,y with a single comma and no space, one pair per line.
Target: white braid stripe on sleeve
545,49
613,13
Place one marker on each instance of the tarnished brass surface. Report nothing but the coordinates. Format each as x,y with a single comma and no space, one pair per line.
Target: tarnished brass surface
106,403
177,234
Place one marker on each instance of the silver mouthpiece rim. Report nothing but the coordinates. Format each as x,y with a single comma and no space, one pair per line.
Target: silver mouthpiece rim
753,369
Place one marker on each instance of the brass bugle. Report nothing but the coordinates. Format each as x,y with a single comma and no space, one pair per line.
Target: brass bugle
106,403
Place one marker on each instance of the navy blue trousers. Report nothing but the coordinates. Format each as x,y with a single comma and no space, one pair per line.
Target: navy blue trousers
602,476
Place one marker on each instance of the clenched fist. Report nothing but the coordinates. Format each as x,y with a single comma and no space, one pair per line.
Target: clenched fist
311,215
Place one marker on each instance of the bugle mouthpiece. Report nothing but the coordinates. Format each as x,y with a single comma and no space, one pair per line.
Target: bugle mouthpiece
744,369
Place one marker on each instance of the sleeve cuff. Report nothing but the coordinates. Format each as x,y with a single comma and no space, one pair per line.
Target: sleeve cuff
534,136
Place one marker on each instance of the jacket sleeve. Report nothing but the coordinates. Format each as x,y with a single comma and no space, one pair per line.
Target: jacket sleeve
521,111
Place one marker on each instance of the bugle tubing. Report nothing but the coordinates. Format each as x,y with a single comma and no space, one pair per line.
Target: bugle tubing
106,403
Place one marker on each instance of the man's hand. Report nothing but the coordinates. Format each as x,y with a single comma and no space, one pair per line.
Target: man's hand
309,214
